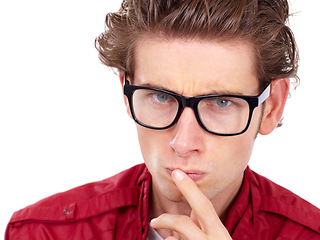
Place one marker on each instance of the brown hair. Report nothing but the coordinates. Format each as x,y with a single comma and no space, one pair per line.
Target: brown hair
262,22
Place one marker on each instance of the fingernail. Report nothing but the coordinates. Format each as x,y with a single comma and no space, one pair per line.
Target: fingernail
178,174
153,220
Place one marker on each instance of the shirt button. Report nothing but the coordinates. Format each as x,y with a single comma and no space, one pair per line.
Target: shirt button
65,211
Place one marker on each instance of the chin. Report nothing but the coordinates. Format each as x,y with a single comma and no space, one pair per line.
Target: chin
174,196
167,190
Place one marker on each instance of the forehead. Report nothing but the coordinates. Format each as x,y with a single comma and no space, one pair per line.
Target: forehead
195,67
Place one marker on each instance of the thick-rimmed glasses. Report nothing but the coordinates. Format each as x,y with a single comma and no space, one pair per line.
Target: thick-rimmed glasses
223,115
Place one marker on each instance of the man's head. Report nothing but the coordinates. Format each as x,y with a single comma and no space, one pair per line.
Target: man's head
196,48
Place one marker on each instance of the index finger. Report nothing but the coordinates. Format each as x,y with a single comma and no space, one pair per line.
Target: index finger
200,204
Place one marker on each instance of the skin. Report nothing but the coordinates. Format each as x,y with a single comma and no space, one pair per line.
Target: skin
185,209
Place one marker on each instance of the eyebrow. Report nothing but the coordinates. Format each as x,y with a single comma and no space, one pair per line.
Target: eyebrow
210,92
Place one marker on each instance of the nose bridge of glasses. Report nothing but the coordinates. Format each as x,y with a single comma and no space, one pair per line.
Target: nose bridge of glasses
188,102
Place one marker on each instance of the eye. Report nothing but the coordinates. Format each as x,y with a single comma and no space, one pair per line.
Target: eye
160,97
223,103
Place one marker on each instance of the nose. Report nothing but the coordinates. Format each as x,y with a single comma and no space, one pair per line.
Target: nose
188,138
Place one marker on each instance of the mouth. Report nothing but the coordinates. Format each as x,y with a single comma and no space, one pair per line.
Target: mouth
195,175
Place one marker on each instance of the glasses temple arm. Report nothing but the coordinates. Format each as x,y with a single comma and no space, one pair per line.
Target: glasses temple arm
264,95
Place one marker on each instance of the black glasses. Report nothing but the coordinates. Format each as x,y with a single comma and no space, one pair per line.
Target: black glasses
223,115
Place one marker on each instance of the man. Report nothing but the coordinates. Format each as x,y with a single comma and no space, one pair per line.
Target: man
201,79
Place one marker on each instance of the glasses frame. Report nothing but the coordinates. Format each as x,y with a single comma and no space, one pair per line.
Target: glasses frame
192,102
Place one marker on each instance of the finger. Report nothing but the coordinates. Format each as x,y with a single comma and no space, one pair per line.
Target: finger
181,224
195,219
200,204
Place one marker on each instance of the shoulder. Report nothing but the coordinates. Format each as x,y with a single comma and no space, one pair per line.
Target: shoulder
84,202
281,207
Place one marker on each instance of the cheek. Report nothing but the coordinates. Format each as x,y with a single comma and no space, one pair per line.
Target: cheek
153,144
233,153
156,151
242,145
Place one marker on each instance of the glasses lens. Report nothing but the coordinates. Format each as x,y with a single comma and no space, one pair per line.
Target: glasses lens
154,108
224,115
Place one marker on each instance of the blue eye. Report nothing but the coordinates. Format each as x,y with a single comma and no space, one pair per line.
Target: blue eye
160,97
223,103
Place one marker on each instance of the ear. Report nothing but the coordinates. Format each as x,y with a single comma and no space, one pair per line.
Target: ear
274,105
122,81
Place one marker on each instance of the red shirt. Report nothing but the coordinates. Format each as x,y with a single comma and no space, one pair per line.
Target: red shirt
117,208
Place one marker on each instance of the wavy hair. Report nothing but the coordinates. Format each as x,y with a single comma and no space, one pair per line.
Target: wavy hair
264,23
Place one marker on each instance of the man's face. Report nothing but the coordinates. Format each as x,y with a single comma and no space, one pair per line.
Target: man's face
194,68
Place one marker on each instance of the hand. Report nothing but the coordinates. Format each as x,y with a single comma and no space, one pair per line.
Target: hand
204,223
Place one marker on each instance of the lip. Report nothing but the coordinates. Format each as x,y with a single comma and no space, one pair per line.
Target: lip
195,175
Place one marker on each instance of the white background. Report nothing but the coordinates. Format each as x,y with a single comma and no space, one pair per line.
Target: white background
62,118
